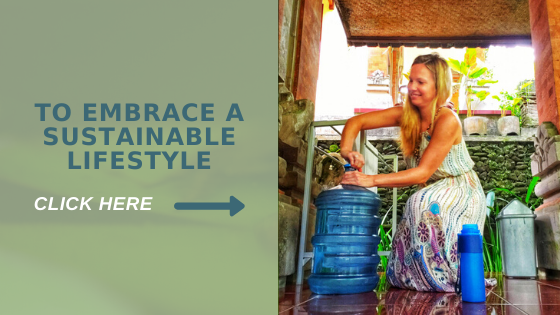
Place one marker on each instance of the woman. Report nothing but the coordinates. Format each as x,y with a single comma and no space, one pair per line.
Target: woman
424,251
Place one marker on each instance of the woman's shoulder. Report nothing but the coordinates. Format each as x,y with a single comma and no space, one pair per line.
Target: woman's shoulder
448,122
449,118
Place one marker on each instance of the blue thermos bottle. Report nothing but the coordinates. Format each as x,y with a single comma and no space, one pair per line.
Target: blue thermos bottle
471,264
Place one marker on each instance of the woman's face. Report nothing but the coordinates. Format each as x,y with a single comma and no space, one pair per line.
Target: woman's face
421,86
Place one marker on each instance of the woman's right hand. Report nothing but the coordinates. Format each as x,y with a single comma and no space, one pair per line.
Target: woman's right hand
356,159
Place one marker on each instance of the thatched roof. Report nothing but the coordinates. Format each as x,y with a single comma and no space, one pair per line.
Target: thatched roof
435,23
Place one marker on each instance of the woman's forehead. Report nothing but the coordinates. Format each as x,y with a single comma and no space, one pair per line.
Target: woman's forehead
421,71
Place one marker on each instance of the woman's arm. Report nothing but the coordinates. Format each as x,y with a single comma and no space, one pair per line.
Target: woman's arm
447,131
386,118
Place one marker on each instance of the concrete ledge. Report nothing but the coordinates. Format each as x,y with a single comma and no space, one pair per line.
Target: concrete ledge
467,138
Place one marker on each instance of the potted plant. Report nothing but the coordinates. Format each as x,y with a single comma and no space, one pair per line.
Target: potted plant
510,125
471,76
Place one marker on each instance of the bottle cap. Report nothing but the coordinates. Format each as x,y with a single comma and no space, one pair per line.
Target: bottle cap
348,168
470,229
470,240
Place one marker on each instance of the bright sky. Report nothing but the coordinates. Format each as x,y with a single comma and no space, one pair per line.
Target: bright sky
511,65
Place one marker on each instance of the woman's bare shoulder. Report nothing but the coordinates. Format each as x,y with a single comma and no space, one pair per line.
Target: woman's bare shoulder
449,122
448,117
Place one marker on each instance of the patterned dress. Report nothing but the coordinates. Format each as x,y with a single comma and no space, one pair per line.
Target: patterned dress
424,252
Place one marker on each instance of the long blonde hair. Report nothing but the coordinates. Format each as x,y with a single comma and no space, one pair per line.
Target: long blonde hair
410,122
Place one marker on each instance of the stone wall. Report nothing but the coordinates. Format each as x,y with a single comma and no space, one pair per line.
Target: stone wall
294,118
499,164
299,37
545,164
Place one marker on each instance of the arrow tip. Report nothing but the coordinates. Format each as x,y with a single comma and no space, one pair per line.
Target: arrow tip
235,206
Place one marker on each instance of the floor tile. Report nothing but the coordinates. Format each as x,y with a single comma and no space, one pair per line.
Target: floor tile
555,283
540,309
284,308
503,310
289,297
510,296
368,298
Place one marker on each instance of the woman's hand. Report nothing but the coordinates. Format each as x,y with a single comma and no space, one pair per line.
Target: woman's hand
356,159
358,179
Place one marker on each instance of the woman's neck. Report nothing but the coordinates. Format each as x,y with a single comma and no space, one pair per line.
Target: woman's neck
426,114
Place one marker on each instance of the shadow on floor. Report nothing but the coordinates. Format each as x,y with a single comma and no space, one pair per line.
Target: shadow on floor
510,296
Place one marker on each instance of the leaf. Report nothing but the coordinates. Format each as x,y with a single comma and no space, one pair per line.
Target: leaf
509,192
526,85
516,100
484,81
470,57
454,64
464,69
333,148
477,72
482,95
531,187
496,97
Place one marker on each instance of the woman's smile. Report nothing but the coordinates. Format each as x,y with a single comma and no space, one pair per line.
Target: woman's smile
421,86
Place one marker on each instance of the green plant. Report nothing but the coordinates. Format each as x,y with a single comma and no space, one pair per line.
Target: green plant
384,245
471,75
512,101
524,89
508,102
527,198
491,242
334,148
491,250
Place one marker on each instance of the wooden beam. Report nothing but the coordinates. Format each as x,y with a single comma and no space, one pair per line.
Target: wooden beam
444,42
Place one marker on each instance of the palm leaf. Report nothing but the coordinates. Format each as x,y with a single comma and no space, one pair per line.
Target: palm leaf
482,95
531,187
485,81
470,57
509,192
526,85
455,65
477,72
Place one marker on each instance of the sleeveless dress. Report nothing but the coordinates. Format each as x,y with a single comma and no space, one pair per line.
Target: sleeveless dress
424,250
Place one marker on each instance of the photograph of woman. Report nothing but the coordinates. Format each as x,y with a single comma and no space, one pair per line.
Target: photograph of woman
424,249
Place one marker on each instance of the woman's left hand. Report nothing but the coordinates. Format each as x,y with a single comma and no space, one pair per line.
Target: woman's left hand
358,179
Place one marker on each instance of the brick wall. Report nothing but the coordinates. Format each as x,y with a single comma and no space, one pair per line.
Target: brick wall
545,44
307,58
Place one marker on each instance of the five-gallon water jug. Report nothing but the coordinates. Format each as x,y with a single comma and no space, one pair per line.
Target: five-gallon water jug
471,264
345,243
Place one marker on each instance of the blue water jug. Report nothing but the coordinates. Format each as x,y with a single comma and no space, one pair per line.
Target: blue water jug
471,264
345,243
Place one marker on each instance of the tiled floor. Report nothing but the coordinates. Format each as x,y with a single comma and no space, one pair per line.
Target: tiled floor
510,296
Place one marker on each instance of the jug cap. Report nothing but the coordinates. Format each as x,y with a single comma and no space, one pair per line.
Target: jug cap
348,168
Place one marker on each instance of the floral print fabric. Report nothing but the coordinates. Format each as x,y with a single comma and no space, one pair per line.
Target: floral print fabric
424,253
